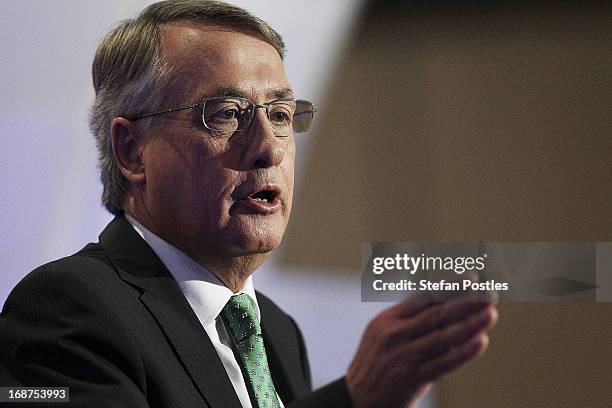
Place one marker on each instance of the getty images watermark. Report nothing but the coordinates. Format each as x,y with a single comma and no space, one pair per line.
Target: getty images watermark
517,271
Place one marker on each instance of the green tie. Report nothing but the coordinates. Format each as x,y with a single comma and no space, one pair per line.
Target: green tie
240,320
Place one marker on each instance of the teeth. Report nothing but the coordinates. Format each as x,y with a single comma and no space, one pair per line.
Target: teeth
261,199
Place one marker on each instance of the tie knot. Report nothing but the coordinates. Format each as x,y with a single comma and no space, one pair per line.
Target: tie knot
240,318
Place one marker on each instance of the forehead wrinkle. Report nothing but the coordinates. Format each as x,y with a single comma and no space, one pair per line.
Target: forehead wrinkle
273,93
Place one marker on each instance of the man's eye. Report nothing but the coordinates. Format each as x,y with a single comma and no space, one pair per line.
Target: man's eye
228,114
279,116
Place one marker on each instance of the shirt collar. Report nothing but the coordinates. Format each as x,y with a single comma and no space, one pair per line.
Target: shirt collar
206,293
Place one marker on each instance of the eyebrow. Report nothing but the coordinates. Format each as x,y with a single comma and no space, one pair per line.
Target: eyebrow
281,93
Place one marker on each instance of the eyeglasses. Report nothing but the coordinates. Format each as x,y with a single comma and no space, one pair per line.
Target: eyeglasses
227,115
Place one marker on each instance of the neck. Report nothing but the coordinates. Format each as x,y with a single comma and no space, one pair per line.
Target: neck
232,273
231,269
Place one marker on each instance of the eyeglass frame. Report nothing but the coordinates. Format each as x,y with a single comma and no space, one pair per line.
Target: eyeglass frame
202,103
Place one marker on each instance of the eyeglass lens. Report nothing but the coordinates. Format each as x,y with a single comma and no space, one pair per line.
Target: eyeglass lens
229,115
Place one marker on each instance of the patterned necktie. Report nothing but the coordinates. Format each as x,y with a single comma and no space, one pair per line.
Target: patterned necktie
241,322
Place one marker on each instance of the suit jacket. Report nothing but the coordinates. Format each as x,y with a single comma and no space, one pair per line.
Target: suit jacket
111,323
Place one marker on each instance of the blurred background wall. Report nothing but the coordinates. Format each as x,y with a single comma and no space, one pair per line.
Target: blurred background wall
479,122
437,122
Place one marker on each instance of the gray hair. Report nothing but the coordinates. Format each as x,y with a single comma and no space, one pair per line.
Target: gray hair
130,75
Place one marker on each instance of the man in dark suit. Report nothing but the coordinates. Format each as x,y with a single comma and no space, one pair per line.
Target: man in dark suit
194,119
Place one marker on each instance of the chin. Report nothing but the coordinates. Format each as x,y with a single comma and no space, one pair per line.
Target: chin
256,238
257,246
258,243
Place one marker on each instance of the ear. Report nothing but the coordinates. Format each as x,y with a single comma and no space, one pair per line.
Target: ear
127,148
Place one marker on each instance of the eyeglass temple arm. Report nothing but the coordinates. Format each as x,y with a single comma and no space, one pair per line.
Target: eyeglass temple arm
146,115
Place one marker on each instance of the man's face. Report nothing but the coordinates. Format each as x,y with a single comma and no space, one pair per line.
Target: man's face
199,186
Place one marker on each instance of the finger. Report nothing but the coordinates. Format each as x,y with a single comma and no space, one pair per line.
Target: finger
439,342
440,316
423,300
411,306
455,358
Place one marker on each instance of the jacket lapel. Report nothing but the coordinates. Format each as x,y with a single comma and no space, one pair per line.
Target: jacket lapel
138,265
286,369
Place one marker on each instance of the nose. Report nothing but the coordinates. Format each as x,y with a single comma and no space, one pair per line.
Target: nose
263,148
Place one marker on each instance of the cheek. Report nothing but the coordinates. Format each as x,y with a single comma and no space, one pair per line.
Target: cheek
184,176
289,167
163,171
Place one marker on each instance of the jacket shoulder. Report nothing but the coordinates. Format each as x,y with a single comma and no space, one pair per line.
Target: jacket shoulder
84,280
90,264
66,322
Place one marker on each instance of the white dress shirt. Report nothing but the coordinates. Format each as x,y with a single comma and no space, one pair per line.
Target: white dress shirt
207,296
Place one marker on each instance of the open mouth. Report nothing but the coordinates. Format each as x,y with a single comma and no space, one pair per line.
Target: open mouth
264,196
264,199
